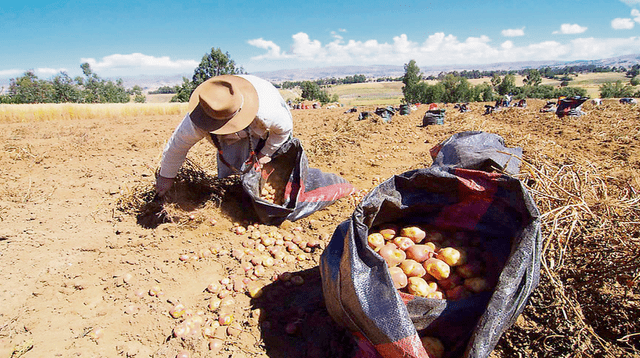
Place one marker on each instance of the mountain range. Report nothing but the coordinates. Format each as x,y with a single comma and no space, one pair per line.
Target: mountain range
377,71
149,82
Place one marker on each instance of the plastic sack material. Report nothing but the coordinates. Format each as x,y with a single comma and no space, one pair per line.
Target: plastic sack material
433,116
571,106
386,113
306,190
477,150
359,292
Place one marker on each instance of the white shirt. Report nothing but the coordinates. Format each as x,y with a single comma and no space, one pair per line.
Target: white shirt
273,122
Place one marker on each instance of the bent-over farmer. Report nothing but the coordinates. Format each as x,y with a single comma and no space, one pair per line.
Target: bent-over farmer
244,116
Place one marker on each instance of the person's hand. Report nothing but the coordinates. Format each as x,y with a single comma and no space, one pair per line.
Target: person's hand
263,159
163,185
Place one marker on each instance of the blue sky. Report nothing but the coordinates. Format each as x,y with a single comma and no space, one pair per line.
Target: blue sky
125,38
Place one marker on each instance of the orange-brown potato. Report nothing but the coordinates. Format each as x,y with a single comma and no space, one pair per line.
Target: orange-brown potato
433,346
437,268
417,286
415,233
412,268
452,256
399,277
419,252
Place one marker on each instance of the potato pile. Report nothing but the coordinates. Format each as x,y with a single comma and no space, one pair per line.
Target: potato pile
431,263
263,255
273,192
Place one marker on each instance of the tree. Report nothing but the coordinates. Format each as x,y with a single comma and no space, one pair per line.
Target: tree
30,89
136,92
65,89
456,89
412,77
98,90
495,81
507,85
634,81
214,63
183,92
533,78
483,92
312,91
615,90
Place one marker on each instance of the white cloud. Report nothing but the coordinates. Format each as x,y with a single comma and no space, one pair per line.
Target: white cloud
137,63
439,49
273,50
40,72
335,35
570,29
621,24
11,73
631,2
513,32
49,71
636,15
507,45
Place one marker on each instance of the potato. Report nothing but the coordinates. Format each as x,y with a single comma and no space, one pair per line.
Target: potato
417,286
389,231
402,242
375,240
470,269
432,245
452,256
476,284
414,233
412,268
457,293
433,346
437,268
419,252
450,282
433,236
439,295
392,255
398,276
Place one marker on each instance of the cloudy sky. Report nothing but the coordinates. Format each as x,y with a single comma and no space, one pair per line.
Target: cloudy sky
123,38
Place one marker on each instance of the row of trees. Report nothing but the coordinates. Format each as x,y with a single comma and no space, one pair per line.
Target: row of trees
326,81
451,88
557,73
619,90
28,88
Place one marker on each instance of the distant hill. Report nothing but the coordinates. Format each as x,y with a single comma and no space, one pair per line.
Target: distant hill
308,74
398,71
149,82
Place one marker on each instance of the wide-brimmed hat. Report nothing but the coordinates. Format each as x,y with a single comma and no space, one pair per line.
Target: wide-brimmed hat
223,104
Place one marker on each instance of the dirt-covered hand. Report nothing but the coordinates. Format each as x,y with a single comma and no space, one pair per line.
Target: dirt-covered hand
163,185
263,159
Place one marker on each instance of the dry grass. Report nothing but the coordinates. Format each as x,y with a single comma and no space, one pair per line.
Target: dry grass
13,113
579,206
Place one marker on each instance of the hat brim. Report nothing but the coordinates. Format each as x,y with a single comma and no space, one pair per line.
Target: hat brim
240,121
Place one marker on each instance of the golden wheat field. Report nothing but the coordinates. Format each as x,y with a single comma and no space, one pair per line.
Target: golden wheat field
91,269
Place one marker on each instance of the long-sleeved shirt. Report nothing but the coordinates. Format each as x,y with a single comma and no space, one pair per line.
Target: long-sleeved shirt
273,122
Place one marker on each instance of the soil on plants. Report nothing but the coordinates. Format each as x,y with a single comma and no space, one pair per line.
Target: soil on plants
92,263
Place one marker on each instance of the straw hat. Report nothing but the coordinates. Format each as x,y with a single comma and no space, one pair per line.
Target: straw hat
223,104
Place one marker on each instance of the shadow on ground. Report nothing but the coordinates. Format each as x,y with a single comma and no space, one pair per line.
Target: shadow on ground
296,322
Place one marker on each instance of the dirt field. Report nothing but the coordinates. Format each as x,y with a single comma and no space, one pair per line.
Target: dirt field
81,257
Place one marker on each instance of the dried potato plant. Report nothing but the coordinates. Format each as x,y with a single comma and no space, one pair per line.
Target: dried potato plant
194,188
